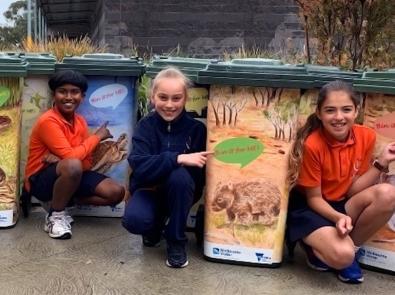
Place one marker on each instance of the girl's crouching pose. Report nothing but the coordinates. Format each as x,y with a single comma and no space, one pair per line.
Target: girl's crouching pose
168,160
335,201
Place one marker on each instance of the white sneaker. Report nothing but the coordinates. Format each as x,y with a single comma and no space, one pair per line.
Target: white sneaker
57,226
69,215
68,211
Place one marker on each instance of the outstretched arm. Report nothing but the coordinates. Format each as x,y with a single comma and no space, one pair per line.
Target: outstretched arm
194,160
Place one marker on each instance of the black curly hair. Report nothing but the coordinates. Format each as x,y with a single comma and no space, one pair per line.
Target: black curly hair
68,77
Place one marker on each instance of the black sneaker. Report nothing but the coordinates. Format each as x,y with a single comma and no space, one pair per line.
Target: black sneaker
152,240
176,255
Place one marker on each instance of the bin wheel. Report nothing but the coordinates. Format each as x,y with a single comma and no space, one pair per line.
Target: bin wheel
199,227
26,203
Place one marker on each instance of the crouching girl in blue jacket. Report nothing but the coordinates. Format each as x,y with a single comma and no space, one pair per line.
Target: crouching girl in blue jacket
167,159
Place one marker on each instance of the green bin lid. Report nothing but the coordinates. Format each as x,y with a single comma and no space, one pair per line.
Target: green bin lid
12,66
256,72
256,61
325,74
189,66
376,82
39,63
103,64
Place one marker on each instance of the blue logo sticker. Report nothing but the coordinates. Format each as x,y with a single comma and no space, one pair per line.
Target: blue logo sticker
216,251
259,256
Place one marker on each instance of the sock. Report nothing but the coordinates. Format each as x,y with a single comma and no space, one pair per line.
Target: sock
357,252
51,210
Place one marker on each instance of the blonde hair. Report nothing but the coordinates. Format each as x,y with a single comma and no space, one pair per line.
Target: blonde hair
313,123
169,72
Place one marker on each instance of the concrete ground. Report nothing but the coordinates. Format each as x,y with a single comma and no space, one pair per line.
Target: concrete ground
102,258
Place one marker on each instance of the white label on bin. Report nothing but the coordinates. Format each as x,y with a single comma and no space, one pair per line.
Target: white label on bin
6,218
238,253
110,95
379,258
99,211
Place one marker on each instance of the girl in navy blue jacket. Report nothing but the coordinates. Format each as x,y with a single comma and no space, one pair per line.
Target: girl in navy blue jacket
167,159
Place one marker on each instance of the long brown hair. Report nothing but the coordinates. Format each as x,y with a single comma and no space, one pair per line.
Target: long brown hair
313,123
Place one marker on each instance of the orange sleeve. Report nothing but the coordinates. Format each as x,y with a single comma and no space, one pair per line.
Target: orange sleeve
310,169
52,135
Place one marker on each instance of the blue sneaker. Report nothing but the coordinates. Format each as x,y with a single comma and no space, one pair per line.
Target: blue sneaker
176,255
313,261
352,274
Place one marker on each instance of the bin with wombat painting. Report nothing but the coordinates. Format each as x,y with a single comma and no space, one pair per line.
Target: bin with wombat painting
251,123
12,73
112,87
378,89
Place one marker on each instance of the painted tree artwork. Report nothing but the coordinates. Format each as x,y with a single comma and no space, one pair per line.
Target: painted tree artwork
228,106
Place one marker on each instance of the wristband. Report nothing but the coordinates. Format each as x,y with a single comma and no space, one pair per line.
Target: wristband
380,167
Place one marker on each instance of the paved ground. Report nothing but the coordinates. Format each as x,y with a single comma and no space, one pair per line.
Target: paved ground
102,258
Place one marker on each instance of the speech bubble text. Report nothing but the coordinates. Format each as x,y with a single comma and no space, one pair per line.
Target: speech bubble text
5,94
197,100
385,125
110,95
238,150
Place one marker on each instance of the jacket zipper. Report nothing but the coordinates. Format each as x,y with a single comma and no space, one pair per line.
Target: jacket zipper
168,135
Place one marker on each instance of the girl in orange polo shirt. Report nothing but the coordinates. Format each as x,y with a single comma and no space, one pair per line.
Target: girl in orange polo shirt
336,203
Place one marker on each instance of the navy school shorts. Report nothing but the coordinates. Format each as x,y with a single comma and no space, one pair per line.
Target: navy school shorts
42,183
302,221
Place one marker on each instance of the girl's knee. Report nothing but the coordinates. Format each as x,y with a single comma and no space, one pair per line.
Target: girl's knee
340,255
70,167
136,223
116,194
385,197
138,218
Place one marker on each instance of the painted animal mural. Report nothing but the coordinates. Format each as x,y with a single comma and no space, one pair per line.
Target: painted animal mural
248,202
108,153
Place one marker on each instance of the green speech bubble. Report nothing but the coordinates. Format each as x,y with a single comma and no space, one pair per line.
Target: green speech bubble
238,150
5,94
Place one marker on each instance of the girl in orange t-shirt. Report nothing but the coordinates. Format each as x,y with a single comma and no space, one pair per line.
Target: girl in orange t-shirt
336,203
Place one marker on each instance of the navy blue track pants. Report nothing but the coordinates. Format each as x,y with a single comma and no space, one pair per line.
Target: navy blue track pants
149,211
